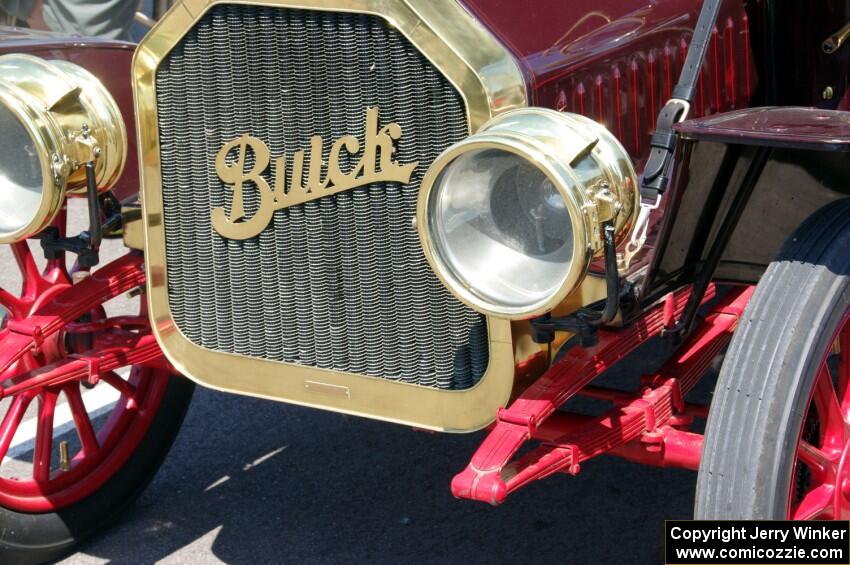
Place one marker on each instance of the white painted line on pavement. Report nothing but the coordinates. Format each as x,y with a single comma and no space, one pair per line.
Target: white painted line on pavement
263,458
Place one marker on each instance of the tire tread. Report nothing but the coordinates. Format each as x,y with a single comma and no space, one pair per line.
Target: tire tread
748,432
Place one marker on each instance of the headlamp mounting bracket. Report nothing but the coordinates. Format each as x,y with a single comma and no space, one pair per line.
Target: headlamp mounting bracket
86,245
585,322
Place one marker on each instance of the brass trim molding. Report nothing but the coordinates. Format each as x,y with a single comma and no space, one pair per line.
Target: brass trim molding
490,82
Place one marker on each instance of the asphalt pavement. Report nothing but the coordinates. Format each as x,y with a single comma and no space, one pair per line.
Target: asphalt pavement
255,481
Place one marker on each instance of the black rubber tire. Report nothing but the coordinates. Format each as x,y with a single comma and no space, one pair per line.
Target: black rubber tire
765,383
37,538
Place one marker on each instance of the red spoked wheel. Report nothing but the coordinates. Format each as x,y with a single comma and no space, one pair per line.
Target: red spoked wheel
777,442
820,488
59,454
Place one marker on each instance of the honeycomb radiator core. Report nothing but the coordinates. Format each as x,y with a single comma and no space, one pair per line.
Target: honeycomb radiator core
337,283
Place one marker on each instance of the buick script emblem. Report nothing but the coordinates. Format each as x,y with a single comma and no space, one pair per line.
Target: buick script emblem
376,164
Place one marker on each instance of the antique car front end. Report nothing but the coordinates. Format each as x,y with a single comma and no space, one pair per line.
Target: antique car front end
280,202
432,213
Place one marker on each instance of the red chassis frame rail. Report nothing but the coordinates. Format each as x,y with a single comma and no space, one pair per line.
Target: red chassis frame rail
649,427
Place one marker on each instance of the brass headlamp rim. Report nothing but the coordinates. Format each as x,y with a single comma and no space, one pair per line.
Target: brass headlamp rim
557,144
106,119
44,132
532,152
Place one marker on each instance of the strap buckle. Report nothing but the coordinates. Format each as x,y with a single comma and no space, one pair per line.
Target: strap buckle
680,109
663,143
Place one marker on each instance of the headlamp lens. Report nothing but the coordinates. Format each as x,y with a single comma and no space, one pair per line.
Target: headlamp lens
501,228
21,180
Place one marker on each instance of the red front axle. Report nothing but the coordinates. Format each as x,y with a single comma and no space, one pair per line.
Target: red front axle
647,427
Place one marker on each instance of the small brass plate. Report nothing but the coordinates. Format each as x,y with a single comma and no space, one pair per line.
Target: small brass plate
324,388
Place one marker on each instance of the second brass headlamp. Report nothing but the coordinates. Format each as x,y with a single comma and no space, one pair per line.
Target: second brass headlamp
54,117
510,218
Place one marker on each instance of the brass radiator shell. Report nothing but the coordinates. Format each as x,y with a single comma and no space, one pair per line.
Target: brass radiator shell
489,82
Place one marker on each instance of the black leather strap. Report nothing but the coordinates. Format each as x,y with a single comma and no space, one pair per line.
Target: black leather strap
664,140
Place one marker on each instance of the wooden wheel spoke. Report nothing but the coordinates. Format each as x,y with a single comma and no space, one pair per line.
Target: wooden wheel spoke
12,303
833,426
817,503
85,430
32,279
43,361
44,437
114,380
11,422
818,462
844,372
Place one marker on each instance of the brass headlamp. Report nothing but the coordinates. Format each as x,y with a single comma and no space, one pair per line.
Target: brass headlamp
54,118
511,217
